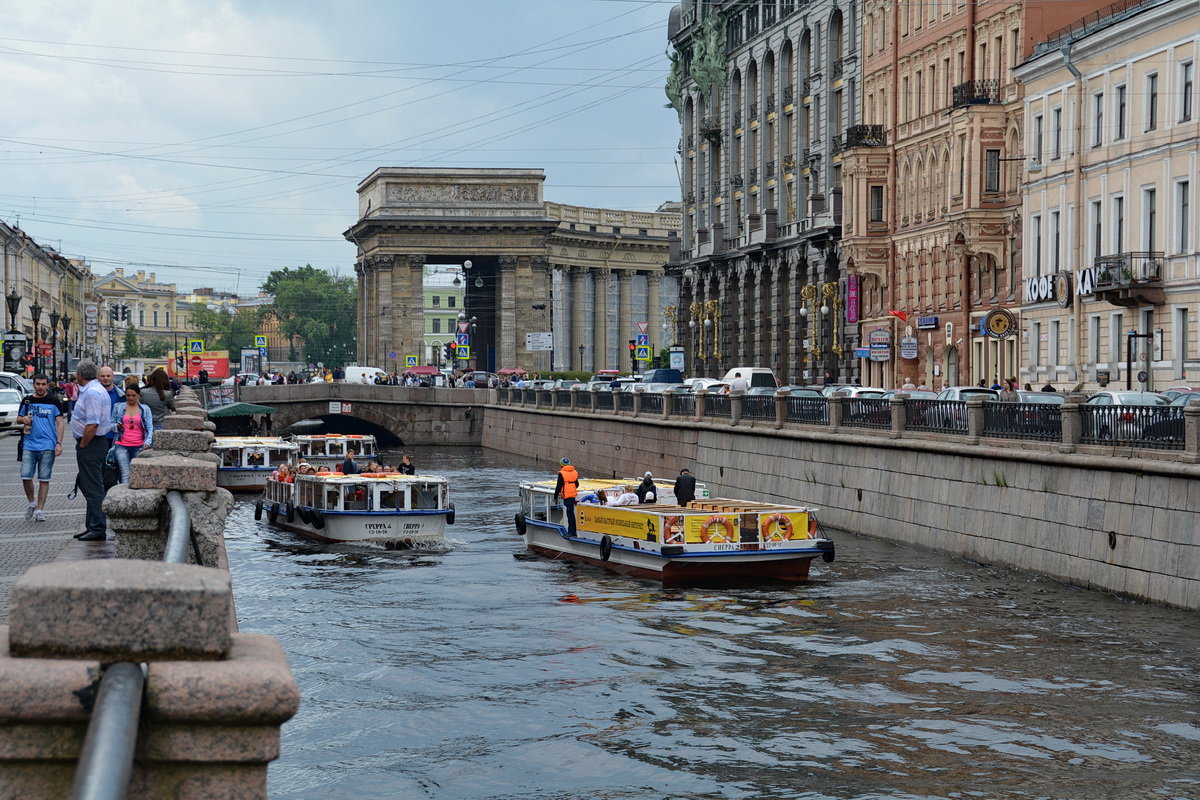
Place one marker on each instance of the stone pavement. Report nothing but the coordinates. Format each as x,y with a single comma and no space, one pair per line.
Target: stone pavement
26,544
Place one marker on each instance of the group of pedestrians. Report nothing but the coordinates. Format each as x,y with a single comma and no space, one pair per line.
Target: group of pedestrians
110,425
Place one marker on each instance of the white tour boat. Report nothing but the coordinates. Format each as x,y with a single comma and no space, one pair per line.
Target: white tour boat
390,509
330,449
708,540
247,461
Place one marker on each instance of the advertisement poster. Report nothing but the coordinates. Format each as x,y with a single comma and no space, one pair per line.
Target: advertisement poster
852,299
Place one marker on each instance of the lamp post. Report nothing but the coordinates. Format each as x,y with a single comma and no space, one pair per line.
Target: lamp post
692,336
66,326
14,305
581,358
54,320
35,313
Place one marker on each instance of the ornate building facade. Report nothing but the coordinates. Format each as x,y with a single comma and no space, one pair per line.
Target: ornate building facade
765,92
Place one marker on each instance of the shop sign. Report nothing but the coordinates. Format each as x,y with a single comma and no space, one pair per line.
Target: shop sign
908,347
880,343
999,323
927,323
862,352
1062,288
1085,281
1040,289
852,283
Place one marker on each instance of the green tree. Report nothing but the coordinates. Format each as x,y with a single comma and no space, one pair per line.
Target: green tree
155,348
130,347
224,328
318,307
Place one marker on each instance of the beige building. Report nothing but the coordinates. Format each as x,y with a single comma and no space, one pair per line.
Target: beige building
1109,223
157,311
51,287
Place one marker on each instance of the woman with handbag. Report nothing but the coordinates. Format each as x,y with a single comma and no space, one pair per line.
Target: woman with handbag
133,422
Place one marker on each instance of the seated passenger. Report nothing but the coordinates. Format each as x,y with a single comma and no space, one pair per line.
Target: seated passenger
589,497
627,498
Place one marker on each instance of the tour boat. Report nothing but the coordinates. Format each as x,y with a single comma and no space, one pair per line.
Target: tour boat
709,540
247,461
386,508
330,449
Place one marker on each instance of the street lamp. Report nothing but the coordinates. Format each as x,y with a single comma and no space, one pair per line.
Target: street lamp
581,358
35,312
66,326
54,320
14,305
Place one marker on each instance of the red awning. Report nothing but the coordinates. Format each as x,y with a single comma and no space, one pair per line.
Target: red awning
425,370
511,371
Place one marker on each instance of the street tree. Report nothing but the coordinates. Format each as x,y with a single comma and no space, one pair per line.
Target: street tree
316,307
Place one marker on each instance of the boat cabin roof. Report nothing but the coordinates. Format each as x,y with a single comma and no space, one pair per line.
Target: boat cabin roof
224,442
333,437
374,477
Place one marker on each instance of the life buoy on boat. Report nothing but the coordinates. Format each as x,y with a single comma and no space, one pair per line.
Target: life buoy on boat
605,548
450,515
776,528
273,512
520,523
373,475
723,532
318,519
258,509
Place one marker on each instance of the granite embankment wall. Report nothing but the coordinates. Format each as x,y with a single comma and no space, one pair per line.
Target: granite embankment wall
1124,525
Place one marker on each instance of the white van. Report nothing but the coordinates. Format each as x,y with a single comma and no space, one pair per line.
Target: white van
757,376
356,374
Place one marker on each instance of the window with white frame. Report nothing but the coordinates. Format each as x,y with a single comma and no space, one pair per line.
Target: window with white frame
1118,217
1052,354
1035,243
1149,219
1035,344
1055,239
1183,211
1121,112
1093,343
1097,225
1151,101
1097,119
1185,88
1036,144
1181,335
1056,133
1116,340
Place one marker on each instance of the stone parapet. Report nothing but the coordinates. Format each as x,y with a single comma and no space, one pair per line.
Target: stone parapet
172,472
181,422
185,441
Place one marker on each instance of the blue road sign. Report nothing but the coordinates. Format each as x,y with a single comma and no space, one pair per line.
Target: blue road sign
464,352
195,345
642,353
643,340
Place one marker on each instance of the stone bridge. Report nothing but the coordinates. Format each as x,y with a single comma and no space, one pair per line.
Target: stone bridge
415,416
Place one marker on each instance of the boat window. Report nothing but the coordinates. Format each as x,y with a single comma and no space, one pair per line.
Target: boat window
527,502
278,457
230,458
541,506
337,448
254,458
355,496
425,495
331,498
390,497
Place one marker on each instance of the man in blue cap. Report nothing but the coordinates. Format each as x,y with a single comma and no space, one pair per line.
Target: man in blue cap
566,488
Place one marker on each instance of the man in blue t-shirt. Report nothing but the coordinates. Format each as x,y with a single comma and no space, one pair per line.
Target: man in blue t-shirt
43,417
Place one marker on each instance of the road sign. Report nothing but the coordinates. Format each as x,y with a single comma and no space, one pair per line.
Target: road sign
260,341
643,326
677,358
463,352
464,327
643,340
195,345
335,407
45,349
539,342
345,408
1143,377
461,340
197,361
392,355
641,353
410,361
262,352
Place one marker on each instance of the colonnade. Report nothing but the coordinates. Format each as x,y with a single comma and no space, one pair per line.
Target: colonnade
603,324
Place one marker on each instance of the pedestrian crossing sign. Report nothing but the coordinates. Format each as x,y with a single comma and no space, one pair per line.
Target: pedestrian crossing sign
195,345
642,353
464,352
410,361
260,341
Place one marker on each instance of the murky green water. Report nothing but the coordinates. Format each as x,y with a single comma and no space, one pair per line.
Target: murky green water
896,673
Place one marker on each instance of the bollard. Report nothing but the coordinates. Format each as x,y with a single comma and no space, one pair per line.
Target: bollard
1191,434
1072,427
975,421
701,397
781,407
835,410
637,402
898,417
668,403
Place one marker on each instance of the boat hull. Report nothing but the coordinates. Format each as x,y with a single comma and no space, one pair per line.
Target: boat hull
243,479
789,564
394,531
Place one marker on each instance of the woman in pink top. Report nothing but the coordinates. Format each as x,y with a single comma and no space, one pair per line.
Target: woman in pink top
134,423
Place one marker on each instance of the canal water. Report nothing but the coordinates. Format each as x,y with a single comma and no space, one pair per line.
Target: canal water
896,673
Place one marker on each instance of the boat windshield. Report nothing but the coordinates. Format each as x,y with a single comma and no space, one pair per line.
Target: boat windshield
355,496
425,495
231,457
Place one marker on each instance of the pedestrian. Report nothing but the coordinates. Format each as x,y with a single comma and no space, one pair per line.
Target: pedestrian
133,424
202,378
106,377
647,491
908,385
43,416
160,399
1049,387
90,425
685,487
348,466
567,487
1009,393
1028,387
407,467
71,394
738,385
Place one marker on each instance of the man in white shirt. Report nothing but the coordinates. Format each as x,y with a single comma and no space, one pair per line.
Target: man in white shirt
90,424
739,384
627,498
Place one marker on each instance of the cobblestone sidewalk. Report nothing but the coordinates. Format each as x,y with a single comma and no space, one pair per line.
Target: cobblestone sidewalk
24,544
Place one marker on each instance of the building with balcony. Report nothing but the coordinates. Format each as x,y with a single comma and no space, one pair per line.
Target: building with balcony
1112,269
933,184
156,312
766,92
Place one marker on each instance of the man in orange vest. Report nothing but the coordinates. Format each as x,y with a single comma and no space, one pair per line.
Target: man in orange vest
566,488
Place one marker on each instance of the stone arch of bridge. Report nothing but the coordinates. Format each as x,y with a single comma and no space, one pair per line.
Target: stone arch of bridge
386,428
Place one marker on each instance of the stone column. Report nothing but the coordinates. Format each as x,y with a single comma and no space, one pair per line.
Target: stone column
1072,426
361,274
407,295
1191,434
578,318
506,313
625,326
600,340
899,420
796,340
385,322
654,313
975,421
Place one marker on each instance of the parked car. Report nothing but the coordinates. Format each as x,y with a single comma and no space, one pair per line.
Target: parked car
251,379
755,376
914,394
861,391
1170,430
1117,414
700,383
662,375
11,380
829,388
10,404
968,393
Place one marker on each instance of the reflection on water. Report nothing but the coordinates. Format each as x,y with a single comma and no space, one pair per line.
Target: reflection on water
896,673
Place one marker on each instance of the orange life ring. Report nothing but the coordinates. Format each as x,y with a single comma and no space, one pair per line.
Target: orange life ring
782,530
720,536
324,473
374,474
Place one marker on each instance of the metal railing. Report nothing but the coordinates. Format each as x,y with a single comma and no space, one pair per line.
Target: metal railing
808,410
106,758
684,405
652,403
625,401
936,416
758,406
866,136
562,398
717,405
976,93
1035,421
604,400
866,412
1156,427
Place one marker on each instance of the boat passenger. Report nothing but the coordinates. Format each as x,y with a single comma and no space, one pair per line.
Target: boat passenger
647,491
628,498
407,467
567,487
348,467
685,487
591,498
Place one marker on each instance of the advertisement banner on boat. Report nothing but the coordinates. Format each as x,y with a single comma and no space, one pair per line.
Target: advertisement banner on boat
617,522
763,529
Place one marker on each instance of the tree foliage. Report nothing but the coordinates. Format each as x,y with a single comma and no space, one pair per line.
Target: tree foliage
129,348
317,307
225,329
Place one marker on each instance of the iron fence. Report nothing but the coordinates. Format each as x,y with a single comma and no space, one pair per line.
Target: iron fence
652,403
716,405
625,401
684,405
866,412
1157,427
1035,421
758,406
529,396
936,416
562,398
604,400
808,410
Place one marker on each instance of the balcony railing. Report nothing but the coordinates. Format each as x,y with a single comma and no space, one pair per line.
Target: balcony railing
754,111
839,68
789,162
770,171
710,129
977,93
737,118
839,144
789,95
754,176
1125,269
737,180
866,136
770,102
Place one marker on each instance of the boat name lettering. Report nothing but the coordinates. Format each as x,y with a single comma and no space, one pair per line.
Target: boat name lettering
378,526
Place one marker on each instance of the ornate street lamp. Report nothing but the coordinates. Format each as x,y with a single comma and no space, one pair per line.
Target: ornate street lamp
581,358
14,305
35,312
54,320
66,326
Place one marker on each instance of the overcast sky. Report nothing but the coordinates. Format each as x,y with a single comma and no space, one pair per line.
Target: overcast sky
212,142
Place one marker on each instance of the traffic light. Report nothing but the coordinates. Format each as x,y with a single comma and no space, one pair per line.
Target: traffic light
632,355
450,348
114,313
125,313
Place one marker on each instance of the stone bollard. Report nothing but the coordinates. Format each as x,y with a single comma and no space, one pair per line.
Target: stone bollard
701,402
735,407
781,407
668,405
835,410
899,420
975,420
214,699
592,399
637,402
1191,434
1072,427
574,400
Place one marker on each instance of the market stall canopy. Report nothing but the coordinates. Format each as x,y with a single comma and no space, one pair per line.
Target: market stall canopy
240,410
425,370
511,371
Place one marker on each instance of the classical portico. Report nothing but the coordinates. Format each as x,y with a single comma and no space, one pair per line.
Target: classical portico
590,276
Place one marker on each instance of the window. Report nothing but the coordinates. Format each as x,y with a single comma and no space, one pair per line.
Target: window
1181,338
991,170
1183,205
1037,138
437,301
1035,344
1122,115
1056,132
1097,119
1055,239
1035,243
876,210
1116,335
1151,102
962,163
1185,101
1097,231
1150,218
1118,224
451,301
1093,342
1052,356
437,325
168,322
141,317
156,319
